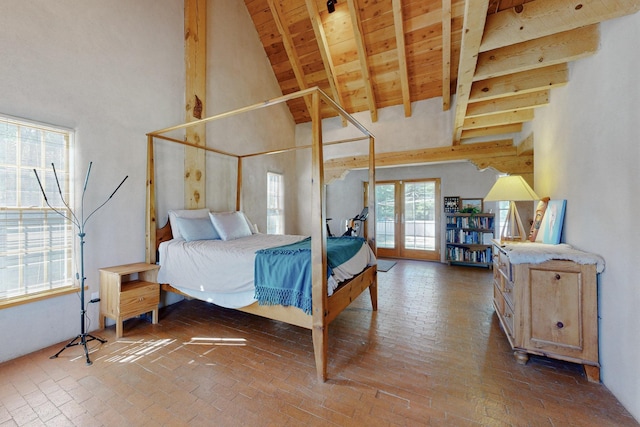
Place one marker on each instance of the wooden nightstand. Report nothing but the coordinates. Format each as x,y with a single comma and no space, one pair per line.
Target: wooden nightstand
128,291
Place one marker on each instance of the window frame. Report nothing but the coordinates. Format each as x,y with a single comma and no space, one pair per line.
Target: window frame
275,214
54,235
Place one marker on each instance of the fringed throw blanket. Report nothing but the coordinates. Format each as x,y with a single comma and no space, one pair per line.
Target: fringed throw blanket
283,273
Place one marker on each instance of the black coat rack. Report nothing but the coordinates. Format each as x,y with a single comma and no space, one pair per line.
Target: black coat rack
83,338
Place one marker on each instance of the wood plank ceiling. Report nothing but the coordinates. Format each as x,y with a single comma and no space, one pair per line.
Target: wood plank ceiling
371,54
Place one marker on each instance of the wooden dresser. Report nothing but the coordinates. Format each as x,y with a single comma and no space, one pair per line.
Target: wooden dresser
546,297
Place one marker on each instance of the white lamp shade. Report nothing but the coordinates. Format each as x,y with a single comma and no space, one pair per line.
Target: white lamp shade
511,188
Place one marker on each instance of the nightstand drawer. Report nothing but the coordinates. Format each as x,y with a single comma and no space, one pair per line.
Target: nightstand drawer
137,296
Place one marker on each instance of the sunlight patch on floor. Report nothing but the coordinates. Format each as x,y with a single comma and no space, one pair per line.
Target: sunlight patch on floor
217,341
138,350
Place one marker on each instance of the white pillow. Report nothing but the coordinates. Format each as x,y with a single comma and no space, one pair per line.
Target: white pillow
184,213
230,225
253,227
196,229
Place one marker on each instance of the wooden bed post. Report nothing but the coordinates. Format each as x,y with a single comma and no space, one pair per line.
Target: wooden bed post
150,220
371,220
319,329
239,185
195,46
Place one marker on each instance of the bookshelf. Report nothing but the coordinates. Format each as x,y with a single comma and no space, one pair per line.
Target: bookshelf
469,238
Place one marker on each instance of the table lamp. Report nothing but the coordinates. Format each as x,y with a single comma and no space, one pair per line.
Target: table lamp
513,189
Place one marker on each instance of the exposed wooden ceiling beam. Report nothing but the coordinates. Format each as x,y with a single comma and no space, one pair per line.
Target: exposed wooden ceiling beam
475,15
492,130
499,119
446,55
526,146
362,55
428,155
509,103
287,41
523,82
545,17
566,46
509,163
402,57
518,165
323,46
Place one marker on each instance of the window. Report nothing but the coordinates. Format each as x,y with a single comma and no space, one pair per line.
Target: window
275,203
503,209
501,214
36,243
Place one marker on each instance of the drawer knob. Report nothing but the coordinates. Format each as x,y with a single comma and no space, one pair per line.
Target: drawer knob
557,276
560,325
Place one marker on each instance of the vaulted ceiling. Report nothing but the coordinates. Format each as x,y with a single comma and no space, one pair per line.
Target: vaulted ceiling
371,54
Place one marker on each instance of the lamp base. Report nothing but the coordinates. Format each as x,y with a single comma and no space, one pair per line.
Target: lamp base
82,340
512,230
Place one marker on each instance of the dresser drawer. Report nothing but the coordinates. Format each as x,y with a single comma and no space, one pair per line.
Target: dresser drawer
508,291
496,271
498,300
508,321
504,265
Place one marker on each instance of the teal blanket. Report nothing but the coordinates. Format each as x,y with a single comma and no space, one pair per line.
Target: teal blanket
283,274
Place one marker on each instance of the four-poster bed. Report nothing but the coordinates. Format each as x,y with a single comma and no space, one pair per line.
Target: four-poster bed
324,308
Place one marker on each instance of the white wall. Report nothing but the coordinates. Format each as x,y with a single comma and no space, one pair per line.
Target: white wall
428,126
587,151
112,71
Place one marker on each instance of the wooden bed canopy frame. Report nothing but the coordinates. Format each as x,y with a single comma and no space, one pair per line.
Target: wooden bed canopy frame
324,308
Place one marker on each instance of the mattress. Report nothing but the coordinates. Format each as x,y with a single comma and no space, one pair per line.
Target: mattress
222,272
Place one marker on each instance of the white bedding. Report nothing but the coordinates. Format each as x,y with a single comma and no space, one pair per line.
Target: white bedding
221,272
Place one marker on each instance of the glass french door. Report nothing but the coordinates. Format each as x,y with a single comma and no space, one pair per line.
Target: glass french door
408,218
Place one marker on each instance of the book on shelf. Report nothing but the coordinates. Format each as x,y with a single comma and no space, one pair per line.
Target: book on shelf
467,255
487,238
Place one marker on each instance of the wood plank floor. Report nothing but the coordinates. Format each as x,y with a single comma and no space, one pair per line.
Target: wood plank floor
433,354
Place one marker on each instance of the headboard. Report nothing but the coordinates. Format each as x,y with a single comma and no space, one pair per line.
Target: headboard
163,234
